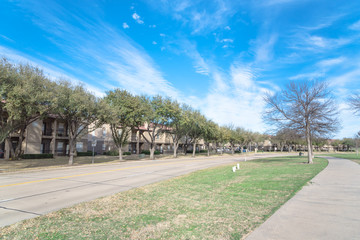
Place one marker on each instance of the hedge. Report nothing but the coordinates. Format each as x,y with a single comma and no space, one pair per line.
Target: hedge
147,152
83,154
115,153
37,156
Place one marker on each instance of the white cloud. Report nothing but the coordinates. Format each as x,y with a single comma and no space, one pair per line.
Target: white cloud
194,15
152,26
318,43
6,38
355,26
118,61
137,18
125,25
189,48
308,76
331,62
153,42
162,35
264,48
54,73
227,40
227,28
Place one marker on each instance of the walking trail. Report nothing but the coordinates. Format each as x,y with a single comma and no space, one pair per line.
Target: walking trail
328,208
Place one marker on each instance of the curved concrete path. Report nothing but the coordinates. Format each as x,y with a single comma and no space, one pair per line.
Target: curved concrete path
328,208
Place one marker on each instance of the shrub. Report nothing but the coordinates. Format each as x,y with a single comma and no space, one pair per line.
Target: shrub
203,151
83,154
111,153
190,151
37,156
115,153
147,152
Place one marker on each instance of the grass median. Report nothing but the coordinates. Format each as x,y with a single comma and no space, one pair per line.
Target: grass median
208,204
351,156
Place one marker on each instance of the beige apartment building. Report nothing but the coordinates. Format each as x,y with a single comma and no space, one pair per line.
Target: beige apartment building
45,136
50,135
136,141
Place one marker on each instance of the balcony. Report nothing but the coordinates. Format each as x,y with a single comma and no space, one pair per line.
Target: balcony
47,132
61,133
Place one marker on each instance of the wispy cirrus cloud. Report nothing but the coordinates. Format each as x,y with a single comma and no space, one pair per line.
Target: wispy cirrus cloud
192,14
52,71
117,61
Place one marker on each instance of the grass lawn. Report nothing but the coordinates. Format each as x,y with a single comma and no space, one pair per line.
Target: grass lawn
351,156
208,204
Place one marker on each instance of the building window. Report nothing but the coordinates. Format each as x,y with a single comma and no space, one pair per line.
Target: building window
103,146
104,133
79,146
61,129
59,147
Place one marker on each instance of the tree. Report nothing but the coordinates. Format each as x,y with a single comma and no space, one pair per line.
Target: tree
357,138
78,108
221,138
307,107
25,97
196,128
232,137
355,103
179,122
286,137
121,112
157,118
209,133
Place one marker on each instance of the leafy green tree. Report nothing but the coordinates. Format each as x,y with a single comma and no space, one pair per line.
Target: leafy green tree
242,137
196,128
209,134
221,138
232,137
179,122
78,108
158,120
26,95
121,112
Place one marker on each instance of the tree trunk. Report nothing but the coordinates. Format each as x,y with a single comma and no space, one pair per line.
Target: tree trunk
152,152
120,153
176,145
194,149
71,150
308,140
19,145
208,150
232,149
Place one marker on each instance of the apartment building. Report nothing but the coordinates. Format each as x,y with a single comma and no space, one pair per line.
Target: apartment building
49,135
136,141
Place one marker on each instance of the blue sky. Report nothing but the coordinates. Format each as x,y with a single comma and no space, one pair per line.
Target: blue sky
218,56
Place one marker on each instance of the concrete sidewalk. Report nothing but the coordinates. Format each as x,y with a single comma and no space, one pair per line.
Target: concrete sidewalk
328,208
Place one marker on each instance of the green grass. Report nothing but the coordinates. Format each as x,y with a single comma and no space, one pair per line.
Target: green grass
209,204
351,156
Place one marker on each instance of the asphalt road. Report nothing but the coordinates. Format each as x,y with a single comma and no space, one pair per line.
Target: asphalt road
25,195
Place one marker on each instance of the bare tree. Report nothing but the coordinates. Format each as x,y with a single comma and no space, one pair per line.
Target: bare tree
355,103
307,107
